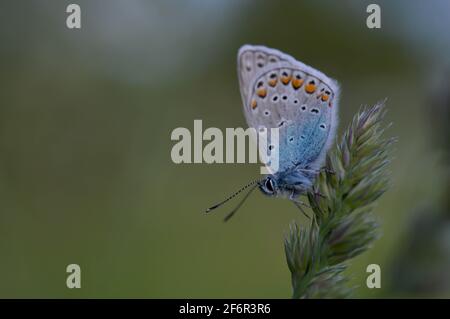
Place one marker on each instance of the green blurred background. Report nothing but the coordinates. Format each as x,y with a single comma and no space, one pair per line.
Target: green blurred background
85,121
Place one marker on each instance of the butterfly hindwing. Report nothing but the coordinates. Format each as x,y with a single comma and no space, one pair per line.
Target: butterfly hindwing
278,91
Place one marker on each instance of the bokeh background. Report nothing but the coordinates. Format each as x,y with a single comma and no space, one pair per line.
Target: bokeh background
85,121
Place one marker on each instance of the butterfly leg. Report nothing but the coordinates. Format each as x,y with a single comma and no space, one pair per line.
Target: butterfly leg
316,171
299,206
299,203
326,170
316,192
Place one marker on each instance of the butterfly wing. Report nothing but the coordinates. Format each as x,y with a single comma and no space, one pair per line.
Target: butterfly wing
279,91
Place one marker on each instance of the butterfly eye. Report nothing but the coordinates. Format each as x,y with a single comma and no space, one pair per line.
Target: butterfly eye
270,185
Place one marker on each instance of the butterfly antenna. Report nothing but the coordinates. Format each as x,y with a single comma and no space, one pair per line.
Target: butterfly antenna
232,196
239,205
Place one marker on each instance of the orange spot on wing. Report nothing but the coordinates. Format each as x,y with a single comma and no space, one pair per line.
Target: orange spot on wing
272,82
325,97
296,83
262,92
310,88
254,104
285,79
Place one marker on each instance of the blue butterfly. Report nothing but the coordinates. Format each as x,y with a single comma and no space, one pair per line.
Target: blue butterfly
280,92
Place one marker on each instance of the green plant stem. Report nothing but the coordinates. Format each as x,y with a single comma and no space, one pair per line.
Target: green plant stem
343,225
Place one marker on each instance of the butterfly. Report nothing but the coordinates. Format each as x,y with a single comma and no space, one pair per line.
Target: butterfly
280,92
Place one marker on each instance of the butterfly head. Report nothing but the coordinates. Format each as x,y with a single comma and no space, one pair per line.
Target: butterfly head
281,185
